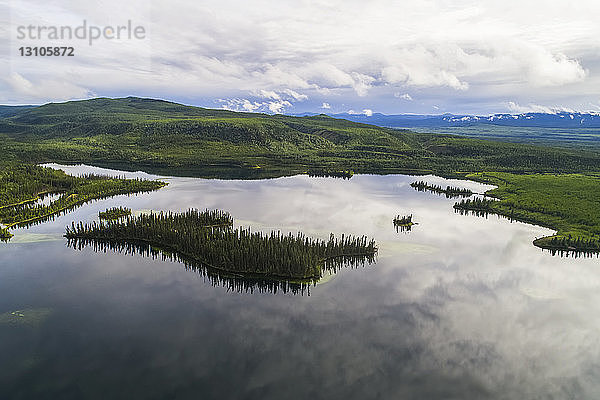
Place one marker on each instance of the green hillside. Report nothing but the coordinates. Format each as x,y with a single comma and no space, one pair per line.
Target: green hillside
164,137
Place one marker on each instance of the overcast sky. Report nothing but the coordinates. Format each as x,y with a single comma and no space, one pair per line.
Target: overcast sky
426,57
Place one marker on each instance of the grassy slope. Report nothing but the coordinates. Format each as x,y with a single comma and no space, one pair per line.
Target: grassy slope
164,137
569,203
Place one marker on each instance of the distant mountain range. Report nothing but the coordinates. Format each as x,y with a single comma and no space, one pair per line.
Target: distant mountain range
545,120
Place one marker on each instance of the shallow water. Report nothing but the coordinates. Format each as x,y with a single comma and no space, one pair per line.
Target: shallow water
460,307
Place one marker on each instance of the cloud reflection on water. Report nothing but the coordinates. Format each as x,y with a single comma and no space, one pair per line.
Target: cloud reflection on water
460,307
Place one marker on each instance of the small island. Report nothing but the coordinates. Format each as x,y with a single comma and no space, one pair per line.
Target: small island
114,213
404,223
451,192
207,238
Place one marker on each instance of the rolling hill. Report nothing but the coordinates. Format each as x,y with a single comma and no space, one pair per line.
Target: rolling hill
160,136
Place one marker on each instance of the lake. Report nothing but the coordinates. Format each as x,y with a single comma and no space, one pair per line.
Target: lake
460,307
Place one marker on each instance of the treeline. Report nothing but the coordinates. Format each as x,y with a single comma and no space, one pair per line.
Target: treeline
208,239
114,213
569,245
477,204
451,192
327,173
574,243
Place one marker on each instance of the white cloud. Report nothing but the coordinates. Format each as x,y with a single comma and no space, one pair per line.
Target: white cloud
367,112
535,108
325,106
295,95
237,104
44,89
475,52
404,96
277,107
240,105
424,65
279,94
548,69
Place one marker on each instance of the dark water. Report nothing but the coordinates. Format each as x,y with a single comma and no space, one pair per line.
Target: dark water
460,307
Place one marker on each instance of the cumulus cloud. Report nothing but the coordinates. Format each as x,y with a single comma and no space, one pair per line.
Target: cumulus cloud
367,112
325,106
295,54
267,94
240,105
44,89
548,69
421,66
362,83
277,107
237,104
278,101
295,95
535,108
404,96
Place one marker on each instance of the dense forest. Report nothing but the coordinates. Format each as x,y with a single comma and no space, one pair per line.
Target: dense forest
209,239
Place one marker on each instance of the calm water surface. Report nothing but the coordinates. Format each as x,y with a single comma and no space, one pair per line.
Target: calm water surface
461,307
